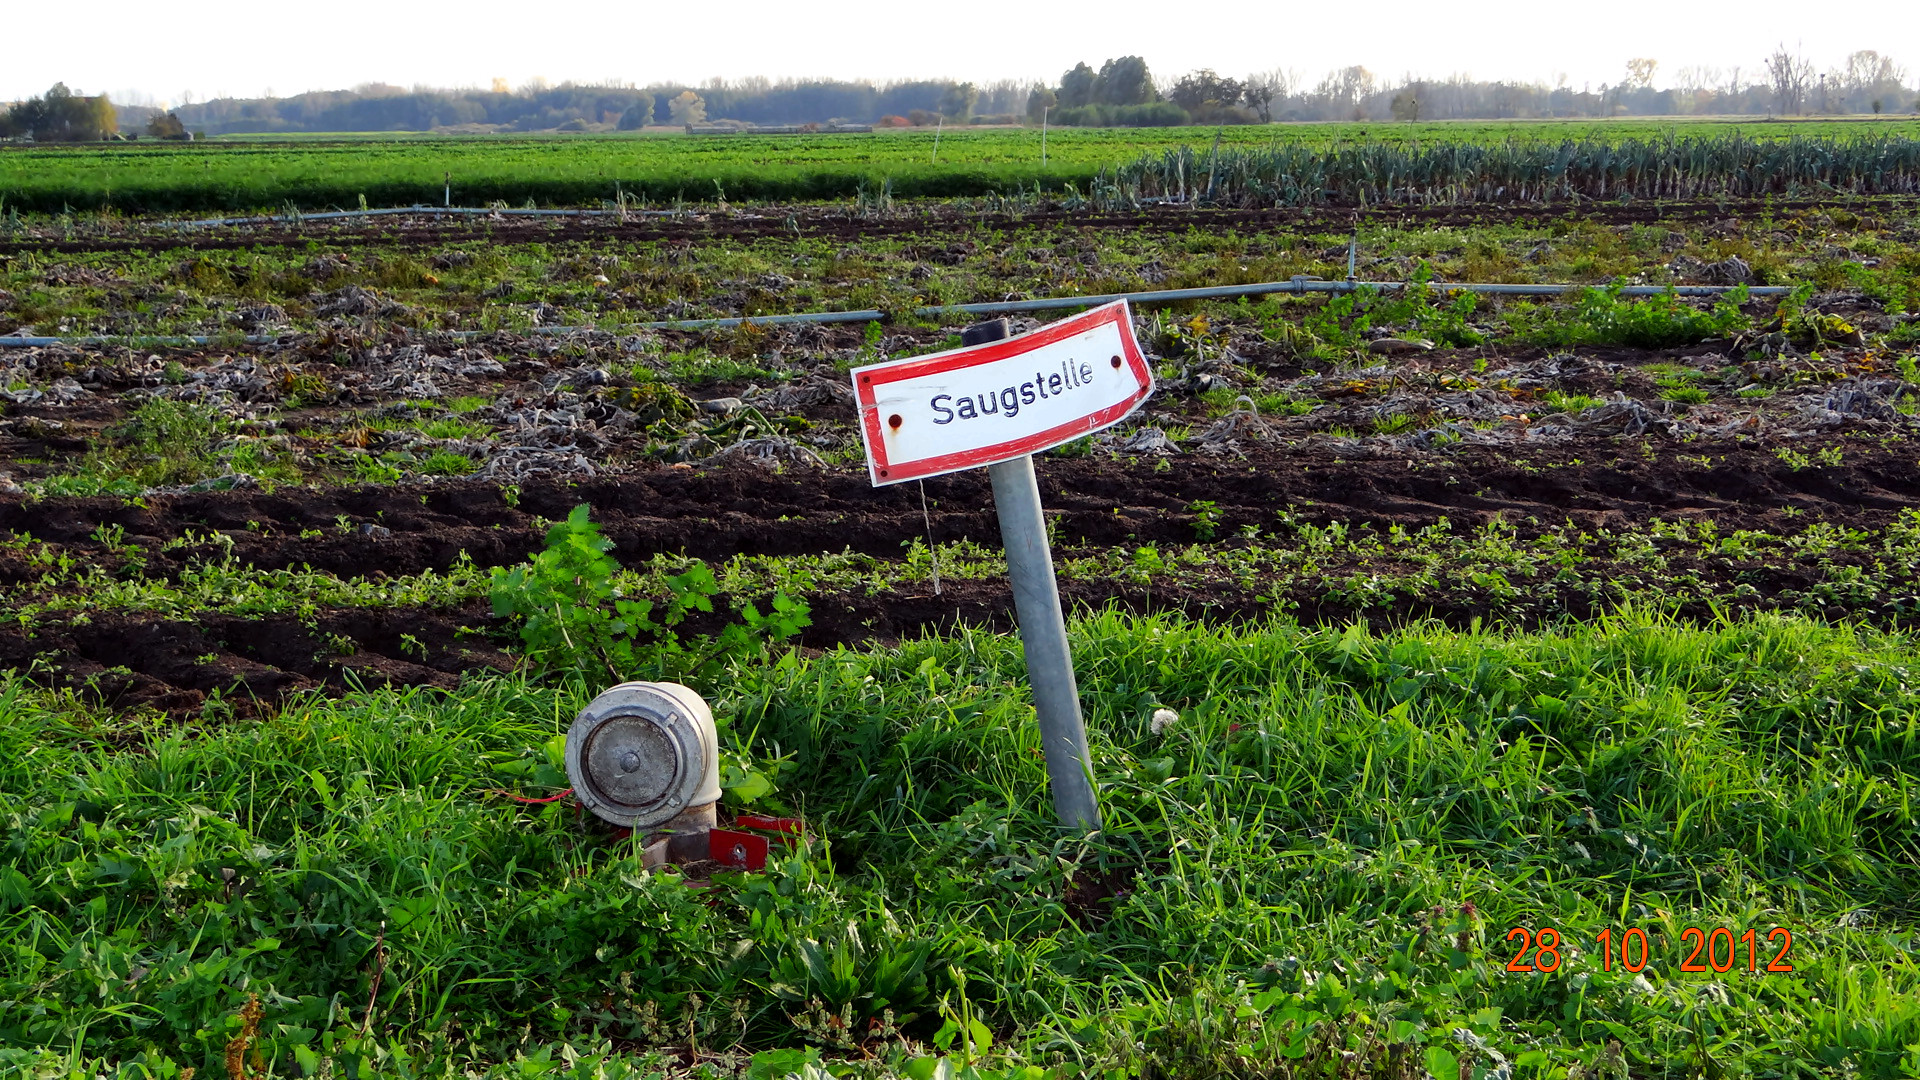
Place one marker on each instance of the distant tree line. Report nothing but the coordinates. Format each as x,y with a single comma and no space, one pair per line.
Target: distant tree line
1783,84
570,106
1121,92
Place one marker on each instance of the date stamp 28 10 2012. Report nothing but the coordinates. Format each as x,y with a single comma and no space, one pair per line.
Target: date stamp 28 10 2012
1715,950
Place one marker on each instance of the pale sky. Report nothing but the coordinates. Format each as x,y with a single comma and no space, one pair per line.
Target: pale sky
214,48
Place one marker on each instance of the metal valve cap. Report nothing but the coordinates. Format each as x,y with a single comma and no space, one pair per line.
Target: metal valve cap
644,753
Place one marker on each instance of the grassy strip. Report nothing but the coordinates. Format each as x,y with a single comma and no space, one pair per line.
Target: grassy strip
1544,577
117,583
1321,856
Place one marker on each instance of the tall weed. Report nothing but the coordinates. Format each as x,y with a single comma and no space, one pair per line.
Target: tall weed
573,616
1605,317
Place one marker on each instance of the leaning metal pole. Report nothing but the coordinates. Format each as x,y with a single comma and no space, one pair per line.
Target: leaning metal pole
1043,629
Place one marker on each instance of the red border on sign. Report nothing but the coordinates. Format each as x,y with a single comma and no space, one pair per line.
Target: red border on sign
883,472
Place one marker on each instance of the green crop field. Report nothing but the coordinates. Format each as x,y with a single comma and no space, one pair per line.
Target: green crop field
316,173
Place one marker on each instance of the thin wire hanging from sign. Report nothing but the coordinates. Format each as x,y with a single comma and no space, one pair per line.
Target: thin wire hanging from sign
933,549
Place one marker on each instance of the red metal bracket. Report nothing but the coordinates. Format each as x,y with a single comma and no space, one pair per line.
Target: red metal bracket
745,846
786,826
742,850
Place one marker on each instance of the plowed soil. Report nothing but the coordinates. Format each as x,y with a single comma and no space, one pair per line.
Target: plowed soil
715,513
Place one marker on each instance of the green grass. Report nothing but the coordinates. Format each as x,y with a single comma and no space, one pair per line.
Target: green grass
1556,401
218,582
1294,857
447,463
313,174
167,442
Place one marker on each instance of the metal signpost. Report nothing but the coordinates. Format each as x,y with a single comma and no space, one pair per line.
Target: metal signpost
995,403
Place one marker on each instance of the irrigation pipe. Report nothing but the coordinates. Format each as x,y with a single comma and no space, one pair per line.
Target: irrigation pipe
331,215
1164,296
999,307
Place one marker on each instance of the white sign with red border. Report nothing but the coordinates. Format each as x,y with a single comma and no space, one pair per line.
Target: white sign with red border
962,409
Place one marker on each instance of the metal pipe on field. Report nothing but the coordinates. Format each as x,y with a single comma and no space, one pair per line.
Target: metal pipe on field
746,320
332,215
992,308
1210,292
1312,285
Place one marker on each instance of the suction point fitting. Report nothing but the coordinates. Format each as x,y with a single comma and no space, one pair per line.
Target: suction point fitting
642,753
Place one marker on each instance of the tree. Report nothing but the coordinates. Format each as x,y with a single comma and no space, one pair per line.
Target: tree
1267,88
1640,72
1341,94
60,115
1079,87
56,114
957,103
1695,79
166,125
688,108
99,120
1205,91
1865,77
1405,106
1039,101
21,119
1788,75
638,115
1002,96
1125,81
1696,86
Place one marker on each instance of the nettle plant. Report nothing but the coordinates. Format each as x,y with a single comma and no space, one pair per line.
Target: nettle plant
573,616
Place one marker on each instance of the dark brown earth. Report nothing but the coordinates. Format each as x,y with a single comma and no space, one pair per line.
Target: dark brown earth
250,663
714,513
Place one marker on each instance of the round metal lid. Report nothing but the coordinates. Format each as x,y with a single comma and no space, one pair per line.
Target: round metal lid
633,762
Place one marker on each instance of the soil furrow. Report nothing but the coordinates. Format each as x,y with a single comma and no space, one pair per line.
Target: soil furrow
717,513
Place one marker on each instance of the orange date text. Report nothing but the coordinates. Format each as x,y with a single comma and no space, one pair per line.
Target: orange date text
1718,949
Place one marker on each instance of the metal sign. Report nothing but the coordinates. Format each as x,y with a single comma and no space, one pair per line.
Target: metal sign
997,402
961,409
